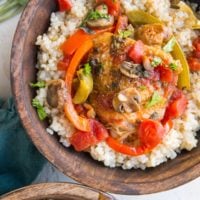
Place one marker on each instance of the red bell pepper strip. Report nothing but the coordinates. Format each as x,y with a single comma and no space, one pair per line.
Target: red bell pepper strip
80,123
64,5
150,134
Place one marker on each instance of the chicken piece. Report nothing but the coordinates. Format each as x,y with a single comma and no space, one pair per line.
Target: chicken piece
56,94
121,91
152,34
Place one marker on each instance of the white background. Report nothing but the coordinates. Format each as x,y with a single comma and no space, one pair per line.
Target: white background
190,191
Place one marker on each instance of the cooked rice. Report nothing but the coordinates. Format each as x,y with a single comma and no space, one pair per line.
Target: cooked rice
182,136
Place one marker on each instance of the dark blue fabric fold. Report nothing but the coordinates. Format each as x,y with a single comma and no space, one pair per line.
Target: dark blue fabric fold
20,162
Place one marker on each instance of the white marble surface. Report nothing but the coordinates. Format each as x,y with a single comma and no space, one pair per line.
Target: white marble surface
190,191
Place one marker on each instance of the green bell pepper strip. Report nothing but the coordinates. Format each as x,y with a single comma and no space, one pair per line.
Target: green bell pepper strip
139,17
184,77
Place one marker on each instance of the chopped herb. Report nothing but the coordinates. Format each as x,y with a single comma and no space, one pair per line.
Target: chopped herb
156,62
170,45
40,109
173,66
155,99
94,15
87,69
125,33
40,84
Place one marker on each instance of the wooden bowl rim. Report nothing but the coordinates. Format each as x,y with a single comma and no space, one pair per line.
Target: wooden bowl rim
28,121
59,188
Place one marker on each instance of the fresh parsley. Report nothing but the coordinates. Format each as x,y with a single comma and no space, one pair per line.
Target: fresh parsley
40,109
155,99
95,14
87,69
156,62
169,47
39,84
125,33
173,66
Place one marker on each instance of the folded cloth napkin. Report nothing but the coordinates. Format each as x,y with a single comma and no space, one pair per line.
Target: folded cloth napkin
20,162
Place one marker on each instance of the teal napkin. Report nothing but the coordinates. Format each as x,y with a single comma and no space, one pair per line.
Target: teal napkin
20,162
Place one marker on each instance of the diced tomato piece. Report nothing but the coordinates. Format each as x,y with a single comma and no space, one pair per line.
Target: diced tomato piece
63,64
194,64
113,6
166,74
196,44
64,5
151,133
196,54
122,23
176,107
82,140
136,52
98,130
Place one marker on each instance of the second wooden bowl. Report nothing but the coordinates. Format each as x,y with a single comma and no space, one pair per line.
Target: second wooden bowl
56,191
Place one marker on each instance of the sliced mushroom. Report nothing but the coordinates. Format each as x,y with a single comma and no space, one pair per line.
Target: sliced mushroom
102,22
131,70
127,101
56,93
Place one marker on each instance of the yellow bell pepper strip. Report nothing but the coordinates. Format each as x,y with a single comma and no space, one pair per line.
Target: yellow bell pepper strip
139,17
184,77
80,123
85,85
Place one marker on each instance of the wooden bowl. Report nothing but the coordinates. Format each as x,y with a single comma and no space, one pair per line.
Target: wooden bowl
80,166
56,191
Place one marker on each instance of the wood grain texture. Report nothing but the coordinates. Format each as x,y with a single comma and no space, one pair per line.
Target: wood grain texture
56,191
80,166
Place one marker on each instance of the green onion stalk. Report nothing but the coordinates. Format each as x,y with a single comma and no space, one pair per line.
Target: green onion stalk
10,8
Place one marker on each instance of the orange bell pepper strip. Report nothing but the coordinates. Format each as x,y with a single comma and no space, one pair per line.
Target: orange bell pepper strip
100,31
80,123
74,42
70,46
150,134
